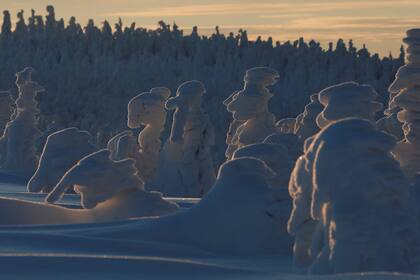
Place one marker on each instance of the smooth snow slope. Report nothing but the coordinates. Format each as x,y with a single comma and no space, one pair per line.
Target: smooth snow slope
55,252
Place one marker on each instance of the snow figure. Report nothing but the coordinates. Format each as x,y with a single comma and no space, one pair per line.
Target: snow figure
346,100
5,109
362,196
61,151
186,167
406,87
390,123
146,109
306,125
252,122
300,224
111,188
286,125
290,141
17,144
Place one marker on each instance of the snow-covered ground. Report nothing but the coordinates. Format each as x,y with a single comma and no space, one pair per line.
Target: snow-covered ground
61,252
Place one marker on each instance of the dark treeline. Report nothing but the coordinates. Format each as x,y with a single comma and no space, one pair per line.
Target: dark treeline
91,72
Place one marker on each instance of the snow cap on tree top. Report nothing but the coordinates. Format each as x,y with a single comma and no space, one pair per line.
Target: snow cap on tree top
346,100
407,76
261,75
157,96
347,91
24,76
186,91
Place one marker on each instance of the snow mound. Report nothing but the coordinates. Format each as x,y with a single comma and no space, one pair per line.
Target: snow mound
346,100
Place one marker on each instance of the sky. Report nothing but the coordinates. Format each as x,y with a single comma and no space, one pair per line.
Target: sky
380,24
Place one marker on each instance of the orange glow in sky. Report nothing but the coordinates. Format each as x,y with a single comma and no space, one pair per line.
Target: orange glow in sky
378,23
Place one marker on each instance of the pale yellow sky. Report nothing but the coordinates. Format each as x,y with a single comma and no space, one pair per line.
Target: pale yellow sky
378,23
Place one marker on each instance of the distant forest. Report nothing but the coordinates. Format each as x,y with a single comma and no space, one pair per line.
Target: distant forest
90,72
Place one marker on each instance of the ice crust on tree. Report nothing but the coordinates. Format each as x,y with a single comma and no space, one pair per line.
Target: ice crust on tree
406,89
346,100
62,151
185,166
17,145
145,110
306,125
252,121
361,197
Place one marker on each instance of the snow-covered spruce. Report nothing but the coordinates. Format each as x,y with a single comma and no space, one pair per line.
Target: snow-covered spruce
362,196
17,145
252,122
340,101
346,100
145,110
133,57
306,125
407,89
62,150
185,166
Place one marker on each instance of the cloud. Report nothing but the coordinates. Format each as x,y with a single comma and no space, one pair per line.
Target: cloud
265,9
